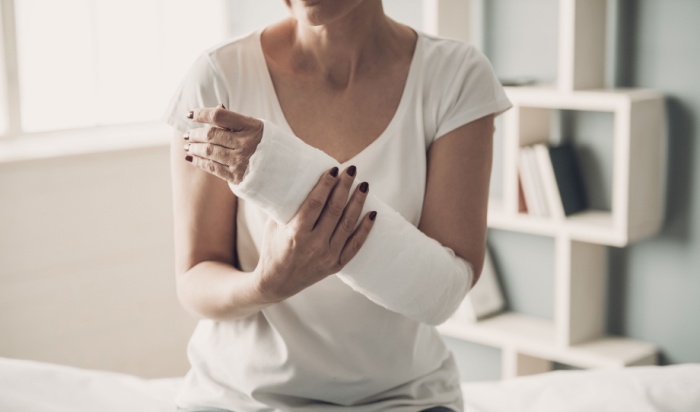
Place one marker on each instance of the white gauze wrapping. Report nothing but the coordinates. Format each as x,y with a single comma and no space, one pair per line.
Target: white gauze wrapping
398,267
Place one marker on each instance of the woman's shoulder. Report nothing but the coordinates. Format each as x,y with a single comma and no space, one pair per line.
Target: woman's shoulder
235,49
459,85
224,73
444,53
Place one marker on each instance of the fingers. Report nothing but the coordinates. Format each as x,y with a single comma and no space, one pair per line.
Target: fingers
225,148
309,211
214,135
358,238
210,166
335,205
220,154
227,119
351,215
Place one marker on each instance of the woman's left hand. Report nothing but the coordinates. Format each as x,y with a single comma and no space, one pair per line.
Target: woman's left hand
223,148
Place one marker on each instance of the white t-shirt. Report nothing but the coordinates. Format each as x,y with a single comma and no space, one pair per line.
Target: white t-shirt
328,347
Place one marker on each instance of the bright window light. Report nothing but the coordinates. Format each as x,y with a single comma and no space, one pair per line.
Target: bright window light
86,63
247,16
3,91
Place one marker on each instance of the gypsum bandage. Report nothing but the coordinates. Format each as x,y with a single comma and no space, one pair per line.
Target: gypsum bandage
398,267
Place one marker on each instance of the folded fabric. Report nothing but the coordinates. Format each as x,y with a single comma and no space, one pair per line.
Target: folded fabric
399,267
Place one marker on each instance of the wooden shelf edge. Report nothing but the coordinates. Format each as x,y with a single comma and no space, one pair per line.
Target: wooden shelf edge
589,99
536,337
502,330
590,226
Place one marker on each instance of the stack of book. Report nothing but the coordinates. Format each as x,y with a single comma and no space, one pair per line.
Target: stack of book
551,184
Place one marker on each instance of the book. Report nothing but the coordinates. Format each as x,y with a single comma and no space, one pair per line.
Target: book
532,183
486,298
526,183
569,178
549,181
522,204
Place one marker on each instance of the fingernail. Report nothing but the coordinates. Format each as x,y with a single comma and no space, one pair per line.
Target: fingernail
364,187
222,105
334,172
187,147
352,170
188,158
190,115
186,136
372,215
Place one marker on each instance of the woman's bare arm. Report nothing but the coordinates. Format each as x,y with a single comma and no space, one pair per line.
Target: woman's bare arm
208,284
319,240
457,190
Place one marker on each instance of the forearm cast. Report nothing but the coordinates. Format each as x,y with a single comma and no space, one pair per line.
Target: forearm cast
398,267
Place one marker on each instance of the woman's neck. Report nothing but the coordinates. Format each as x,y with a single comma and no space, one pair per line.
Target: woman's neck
356,44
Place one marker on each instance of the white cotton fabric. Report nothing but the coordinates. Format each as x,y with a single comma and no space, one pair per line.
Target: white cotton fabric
331,347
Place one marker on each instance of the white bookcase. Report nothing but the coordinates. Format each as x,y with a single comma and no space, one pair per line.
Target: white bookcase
576,335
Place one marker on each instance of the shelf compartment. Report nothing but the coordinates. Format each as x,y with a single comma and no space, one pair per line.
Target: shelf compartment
637,173
537,338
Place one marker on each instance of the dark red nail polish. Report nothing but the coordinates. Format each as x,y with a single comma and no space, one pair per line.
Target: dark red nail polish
190,115
188,158
352,170
364,187
334,172
186,136
372,215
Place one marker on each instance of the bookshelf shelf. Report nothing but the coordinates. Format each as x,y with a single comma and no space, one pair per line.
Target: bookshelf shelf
596,226
536,338
604,100
507,329
576,334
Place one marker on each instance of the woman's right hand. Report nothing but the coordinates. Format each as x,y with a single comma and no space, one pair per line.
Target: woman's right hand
319,240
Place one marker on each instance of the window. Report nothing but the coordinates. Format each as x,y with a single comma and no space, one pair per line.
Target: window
87,63
3,91
3,77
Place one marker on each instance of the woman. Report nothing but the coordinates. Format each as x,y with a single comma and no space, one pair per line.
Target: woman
308,300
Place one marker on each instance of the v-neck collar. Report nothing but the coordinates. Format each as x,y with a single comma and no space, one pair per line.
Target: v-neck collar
408,91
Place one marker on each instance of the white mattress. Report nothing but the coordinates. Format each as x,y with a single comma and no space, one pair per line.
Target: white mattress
640,389
40,387
27,386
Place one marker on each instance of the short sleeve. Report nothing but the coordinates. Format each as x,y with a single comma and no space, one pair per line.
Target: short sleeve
202,86
471,91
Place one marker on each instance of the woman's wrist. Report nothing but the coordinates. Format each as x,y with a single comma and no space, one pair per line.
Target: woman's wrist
264,290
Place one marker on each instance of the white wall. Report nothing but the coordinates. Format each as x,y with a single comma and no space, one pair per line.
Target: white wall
86,263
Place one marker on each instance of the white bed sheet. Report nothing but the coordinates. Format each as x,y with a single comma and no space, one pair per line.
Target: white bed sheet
27,386
640,389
